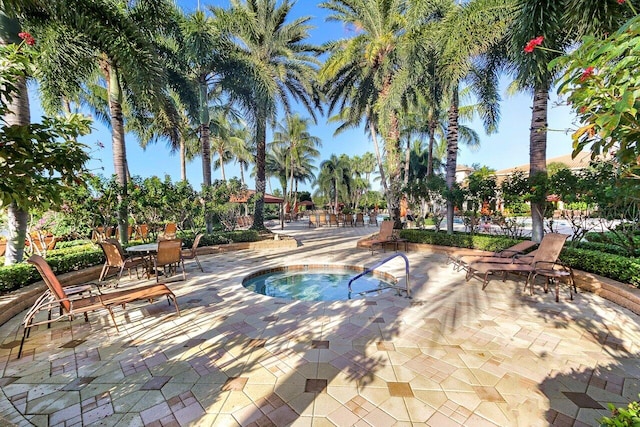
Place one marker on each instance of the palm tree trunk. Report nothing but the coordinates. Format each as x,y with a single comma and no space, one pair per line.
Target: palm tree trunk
242,172
538,155
205,144
432,140
452,155
407,160
261,151
383,177
119,148
222,174
18,114
183,159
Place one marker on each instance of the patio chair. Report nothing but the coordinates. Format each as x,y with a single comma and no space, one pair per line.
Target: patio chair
170,231
129,232
142,232
313,220
373,219
545,258
322,219
348,220
116,258
333,220
168,257
461,259
193,252
385,236
359,220
57,297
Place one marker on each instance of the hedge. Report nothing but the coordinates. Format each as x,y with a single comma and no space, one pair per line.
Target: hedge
598,258
83,255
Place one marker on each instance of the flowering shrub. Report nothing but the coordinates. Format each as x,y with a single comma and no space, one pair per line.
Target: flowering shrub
601,80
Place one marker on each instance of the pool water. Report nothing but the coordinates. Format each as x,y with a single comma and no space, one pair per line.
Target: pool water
315,284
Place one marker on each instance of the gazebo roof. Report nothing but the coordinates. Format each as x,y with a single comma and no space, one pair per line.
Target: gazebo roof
247,194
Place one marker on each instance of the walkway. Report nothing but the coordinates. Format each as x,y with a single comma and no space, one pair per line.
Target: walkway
452,355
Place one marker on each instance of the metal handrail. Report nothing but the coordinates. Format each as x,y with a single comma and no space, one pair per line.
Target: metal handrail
378,264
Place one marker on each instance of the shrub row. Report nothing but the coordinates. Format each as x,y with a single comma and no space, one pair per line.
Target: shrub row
23,274
592,257
83,255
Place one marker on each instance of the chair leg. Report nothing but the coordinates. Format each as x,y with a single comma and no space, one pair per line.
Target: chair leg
103,273
113,317
198,262
184,274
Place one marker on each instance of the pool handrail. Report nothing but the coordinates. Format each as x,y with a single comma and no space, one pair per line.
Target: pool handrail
378,264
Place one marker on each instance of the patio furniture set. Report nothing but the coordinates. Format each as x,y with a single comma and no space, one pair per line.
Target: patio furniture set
326,219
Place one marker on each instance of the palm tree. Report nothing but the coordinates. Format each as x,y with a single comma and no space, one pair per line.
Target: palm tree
276,164
293,135
243,153
224,129
281,65
359,73
99,26
468,34
130,81
560,23
334,178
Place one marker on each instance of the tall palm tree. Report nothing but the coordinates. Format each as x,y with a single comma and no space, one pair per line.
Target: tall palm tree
99,26
276,164
335,178
131,81
244,153
359,73
224,125
561,23
283,66
293,135
469,34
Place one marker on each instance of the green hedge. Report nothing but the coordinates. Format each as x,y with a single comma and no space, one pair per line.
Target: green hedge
599,258
75,257
23,274
616,267
462,240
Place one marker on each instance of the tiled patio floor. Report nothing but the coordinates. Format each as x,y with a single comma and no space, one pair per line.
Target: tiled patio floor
453,355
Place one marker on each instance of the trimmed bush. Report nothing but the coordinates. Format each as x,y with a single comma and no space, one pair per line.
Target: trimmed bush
23,274
457,239
616,267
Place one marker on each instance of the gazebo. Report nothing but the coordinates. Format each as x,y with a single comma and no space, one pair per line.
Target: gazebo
245,195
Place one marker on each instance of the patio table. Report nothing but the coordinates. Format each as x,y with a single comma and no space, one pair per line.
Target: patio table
146,251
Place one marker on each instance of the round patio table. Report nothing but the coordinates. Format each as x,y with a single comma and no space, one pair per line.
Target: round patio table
146,251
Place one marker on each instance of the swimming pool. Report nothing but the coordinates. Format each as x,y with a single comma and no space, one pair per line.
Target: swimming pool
317,282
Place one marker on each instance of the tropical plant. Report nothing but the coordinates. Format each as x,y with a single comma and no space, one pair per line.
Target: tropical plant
358,77
281,65
293,136
39,160
334,178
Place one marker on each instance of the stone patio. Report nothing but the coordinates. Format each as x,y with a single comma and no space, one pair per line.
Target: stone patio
453,355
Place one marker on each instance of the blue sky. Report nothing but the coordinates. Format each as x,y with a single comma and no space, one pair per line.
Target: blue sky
508,148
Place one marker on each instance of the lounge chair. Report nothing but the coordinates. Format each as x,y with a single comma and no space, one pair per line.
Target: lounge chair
385,236
545,258
56,297
116,258
169,255
461,259
193,252
359,220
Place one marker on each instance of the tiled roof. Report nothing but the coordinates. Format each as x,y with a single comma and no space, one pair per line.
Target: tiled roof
581,161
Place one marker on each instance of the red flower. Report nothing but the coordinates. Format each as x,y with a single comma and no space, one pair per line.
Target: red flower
583,109
621,1
588,72
531,45
28,38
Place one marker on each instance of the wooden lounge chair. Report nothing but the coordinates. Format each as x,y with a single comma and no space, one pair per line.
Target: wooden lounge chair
545,258
461,259
193,252
70,306
116,258
169,255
